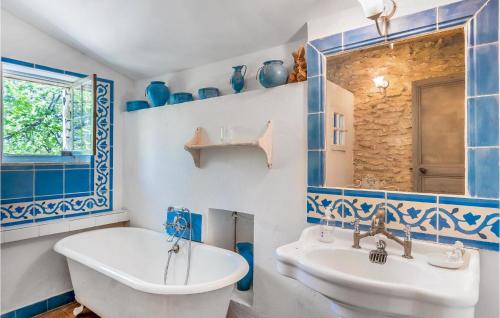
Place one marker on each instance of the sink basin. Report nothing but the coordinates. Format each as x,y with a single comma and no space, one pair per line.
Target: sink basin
399,288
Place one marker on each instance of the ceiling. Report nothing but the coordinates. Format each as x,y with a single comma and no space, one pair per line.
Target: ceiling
146,38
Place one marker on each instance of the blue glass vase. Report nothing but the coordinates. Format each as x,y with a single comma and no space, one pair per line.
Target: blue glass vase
157,93
272,73
238,79
245,249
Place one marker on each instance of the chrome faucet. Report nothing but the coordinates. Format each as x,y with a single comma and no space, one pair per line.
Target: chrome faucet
378,227
179,224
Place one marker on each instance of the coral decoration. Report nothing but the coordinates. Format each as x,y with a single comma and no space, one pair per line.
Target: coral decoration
299,73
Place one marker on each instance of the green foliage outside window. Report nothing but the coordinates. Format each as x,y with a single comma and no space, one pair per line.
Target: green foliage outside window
32,118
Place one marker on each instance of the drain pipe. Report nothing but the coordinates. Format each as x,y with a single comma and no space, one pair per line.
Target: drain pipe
235,217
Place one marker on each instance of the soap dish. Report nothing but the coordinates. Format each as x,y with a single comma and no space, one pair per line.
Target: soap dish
443,260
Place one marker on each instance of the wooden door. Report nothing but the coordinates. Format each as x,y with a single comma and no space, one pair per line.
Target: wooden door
438,135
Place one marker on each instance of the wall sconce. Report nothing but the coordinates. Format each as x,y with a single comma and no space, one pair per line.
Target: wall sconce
380,82
376,10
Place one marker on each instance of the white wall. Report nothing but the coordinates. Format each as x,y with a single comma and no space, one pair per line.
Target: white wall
31,271
218,74
232,179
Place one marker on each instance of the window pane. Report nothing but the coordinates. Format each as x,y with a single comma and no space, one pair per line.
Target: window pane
82,116
341,137
32,123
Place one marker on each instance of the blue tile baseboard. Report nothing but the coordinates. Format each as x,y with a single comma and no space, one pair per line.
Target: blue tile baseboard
38,192
42,306
436,218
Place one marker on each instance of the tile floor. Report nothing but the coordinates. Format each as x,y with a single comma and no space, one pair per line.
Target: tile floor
66,311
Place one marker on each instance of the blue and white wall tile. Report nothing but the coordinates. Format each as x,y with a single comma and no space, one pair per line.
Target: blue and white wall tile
424,21
435,218
327,203
363,205
17,211
361,37
473,221
416,210
457,13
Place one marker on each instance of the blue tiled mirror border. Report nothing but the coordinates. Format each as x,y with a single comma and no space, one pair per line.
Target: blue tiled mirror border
58,197
473,218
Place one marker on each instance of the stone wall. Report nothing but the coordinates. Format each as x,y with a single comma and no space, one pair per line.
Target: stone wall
383,121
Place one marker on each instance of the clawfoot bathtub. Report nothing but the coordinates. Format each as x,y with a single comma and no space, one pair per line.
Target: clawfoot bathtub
118,272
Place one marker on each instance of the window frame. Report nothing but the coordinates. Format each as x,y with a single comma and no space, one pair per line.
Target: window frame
338,129
47,76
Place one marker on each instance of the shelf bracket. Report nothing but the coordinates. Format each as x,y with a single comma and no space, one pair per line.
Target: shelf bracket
265,143
196,140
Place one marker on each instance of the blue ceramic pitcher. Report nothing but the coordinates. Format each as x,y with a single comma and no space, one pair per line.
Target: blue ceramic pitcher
238,79
157,93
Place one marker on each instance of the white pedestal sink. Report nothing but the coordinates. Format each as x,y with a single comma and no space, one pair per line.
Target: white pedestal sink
399,288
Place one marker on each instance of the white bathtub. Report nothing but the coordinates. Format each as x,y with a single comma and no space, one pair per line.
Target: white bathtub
118,272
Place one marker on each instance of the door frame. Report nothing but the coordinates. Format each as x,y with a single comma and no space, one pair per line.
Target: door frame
416,128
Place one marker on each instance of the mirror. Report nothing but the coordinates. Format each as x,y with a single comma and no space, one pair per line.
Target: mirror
395,116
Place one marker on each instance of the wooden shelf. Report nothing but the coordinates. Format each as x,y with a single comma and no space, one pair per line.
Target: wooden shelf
264,143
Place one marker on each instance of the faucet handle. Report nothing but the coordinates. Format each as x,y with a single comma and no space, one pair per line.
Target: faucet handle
407,231
355,223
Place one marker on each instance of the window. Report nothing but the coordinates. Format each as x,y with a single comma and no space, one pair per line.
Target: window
46,116
339,131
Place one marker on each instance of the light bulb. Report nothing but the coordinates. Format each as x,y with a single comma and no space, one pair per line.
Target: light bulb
380,82
372,8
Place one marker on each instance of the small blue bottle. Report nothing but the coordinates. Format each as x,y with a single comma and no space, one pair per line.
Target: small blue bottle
238,79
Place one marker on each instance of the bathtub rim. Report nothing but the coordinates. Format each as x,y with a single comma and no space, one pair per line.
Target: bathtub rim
148,287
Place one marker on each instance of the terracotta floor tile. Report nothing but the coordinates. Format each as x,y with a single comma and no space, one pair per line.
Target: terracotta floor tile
67,312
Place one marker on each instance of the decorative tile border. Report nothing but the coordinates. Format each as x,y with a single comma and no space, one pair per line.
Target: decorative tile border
476,222
419,211
96,198
443,219
41,306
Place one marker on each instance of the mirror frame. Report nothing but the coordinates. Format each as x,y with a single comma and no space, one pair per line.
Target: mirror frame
473,217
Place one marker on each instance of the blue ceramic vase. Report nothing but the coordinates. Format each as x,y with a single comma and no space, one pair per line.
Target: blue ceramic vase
238,79
272,74
157,93
178,98
134,105
208,92
245,249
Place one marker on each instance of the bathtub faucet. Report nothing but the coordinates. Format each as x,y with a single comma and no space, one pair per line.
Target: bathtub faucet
179,223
